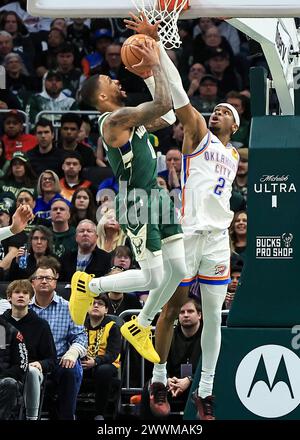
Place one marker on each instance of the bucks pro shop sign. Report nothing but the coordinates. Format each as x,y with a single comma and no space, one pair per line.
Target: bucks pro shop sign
274,247
268,381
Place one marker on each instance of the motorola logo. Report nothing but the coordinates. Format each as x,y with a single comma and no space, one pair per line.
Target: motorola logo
268,381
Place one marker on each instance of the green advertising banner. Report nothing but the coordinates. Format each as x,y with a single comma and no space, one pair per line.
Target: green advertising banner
269,294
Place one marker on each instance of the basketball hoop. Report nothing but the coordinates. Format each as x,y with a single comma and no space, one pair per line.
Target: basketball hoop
168,12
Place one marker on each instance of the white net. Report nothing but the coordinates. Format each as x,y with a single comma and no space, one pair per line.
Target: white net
168,12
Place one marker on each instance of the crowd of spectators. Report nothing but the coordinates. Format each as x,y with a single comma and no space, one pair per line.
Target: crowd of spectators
56,163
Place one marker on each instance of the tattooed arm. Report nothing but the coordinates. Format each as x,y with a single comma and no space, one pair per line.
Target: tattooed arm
118,125
157,125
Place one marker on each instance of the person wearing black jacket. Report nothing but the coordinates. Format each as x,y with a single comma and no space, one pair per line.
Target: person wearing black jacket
182,362
38,339
103,354
13,367
88,258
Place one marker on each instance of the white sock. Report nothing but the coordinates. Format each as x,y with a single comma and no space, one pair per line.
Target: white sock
206,384
174,272
159,373
212,298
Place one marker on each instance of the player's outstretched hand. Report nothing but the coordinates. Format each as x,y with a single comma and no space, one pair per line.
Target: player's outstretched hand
20,218
141,25
148,53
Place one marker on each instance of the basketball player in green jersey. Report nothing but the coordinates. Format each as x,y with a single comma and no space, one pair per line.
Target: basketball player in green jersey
157,240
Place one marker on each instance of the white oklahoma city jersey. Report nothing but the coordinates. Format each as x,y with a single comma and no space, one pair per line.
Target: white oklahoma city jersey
207,177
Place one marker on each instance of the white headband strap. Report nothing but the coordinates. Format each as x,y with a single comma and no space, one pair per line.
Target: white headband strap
233,111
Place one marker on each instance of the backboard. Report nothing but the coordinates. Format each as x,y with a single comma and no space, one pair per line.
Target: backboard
198,8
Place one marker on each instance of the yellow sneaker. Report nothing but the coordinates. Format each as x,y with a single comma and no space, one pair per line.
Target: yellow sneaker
141,338
81,297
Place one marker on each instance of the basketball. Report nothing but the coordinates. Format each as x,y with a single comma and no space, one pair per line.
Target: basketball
130,55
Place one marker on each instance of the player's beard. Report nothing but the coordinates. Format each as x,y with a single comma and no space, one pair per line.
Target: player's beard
120,100
215,130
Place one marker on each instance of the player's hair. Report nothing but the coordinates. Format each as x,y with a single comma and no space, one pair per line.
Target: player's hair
89,91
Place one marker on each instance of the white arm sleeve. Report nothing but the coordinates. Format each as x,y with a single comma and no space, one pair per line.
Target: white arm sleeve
5,233
180,98
169,117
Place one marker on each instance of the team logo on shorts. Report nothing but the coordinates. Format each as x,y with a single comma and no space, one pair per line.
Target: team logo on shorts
137,243
220,269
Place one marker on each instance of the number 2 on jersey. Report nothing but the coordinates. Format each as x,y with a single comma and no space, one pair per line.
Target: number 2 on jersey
220,186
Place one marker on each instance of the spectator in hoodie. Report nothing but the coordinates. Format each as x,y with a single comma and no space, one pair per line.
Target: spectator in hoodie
38,340
52,98
13,367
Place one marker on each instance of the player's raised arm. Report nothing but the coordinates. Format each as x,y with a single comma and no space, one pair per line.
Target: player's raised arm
188,116
107,96
143,114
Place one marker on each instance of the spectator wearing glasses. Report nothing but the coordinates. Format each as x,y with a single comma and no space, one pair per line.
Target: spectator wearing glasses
70,339
196,72
40,243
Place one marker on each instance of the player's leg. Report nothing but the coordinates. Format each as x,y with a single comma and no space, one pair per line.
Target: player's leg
84,287
165,327
174,267
214,277
164,330
173,272
146,278
163,233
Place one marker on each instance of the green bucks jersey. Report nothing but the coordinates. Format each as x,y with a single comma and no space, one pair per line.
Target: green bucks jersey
134,162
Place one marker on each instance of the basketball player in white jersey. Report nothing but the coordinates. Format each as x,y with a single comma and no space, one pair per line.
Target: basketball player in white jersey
210,164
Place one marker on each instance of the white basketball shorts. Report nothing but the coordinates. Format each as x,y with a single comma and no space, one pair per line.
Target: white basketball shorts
207,256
